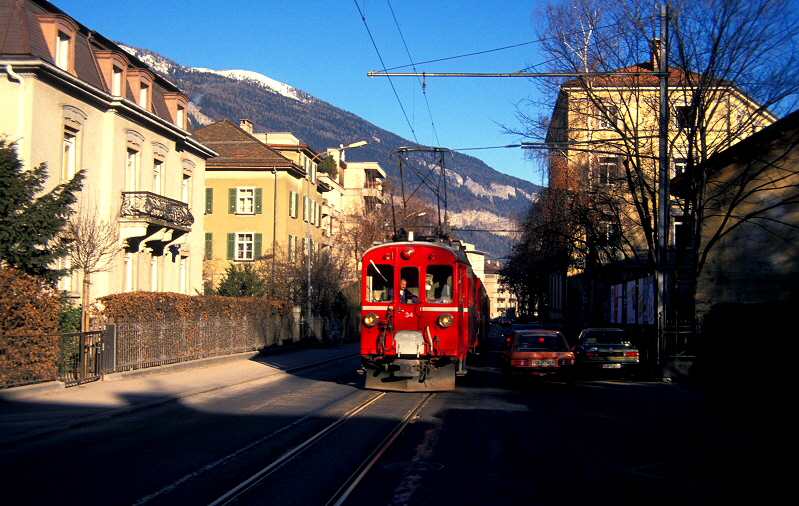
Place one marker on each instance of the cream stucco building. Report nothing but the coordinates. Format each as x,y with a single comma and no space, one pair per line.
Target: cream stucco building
74,100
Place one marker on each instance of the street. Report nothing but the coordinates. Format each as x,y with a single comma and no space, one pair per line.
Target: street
599,442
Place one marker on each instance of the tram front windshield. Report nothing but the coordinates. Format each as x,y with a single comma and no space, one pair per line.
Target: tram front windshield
378,282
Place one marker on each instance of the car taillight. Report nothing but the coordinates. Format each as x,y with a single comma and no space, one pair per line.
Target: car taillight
631,354
590,354
518,362
566,361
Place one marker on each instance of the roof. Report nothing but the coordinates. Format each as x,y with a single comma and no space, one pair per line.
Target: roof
22,38
677,78
239,149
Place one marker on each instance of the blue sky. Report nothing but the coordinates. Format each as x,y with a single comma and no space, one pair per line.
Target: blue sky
324,48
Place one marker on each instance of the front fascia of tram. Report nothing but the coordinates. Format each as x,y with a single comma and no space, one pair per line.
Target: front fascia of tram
411,316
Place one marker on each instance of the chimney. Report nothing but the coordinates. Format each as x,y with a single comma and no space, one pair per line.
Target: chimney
246,125
654,53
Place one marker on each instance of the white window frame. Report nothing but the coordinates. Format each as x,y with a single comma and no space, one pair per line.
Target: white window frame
69,159
245,246
245,204
132,170
604,176
62,47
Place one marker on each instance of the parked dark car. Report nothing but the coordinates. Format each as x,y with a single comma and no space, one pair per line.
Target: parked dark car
538,352
605,348
504,320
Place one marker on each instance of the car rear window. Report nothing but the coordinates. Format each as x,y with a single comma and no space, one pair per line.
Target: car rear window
606,338
540,342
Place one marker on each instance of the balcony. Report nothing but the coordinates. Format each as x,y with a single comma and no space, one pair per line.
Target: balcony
155,209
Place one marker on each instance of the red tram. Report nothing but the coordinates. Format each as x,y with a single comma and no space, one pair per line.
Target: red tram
423,311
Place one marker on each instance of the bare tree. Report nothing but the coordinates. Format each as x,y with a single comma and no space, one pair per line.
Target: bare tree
93,242
745,49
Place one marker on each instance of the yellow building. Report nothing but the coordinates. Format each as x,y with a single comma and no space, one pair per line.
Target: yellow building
259,201
71,98
604,159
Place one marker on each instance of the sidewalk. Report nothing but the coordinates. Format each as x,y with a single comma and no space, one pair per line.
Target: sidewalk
40,409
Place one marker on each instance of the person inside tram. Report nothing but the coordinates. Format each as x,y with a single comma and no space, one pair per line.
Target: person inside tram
406,296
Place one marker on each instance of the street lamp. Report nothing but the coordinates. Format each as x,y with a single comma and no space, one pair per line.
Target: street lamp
328,151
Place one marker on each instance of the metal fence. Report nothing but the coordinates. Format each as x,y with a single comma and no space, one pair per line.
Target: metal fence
152,343
81,357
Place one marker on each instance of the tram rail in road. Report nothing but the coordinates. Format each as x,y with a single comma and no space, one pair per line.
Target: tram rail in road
354,478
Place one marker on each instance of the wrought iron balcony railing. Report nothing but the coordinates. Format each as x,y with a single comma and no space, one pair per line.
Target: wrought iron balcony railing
151,206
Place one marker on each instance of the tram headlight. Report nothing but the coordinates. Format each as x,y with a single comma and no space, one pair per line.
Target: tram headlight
371,319
445,320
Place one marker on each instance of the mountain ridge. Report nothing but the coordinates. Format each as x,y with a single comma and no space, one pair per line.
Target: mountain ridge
479,197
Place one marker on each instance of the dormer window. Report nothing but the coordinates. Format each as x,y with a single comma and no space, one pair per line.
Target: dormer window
176,103
113,66
141,83
59,32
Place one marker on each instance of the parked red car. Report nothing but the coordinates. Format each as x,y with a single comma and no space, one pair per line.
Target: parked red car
538,352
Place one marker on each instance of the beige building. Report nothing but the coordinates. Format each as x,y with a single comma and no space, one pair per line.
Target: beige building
503,303
74,100
258,200
606,132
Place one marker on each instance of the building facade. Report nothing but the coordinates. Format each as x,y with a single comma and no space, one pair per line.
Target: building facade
74,100
604,169
259,202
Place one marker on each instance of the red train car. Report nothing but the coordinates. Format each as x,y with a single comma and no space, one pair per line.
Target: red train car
423,310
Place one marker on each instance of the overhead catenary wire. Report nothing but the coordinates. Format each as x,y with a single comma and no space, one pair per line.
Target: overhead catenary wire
382,63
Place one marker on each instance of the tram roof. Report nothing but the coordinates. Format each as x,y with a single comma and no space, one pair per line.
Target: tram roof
460,255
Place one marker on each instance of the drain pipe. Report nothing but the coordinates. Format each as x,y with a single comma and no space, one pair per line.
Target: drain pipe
21,105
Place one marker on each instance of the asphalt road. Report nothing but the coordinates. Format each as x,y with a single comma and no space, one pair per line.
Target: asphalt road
599,442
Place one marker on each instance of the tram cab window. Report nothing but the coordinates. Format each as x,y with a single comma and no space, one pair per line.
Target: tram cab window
408,287
378,282
438,284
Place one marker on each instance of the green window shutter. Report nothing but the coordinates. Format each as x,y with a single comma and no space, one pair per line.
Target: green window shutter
231,201
259,200
291,204
209,200
256,246
231,246
209,246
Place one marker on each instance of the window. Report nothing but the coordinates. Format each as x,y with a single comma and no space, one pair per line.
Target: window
306,205
69,156
157,168
116,81
245,200
378,282
144,95
185,189
409,276
680,165
292,248
607,169
244,246
294,204
132,170
209,246
438,284
608,117
683,117
180,117
62,48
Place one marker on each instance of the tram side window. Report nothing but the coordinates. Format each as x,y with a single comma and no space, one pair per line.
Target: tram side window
438,284
378,282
